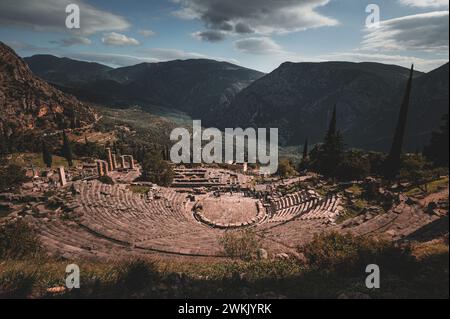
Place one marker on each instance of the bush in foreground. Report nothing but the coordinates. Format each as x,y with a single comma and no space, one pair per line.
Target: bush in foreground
18,240
106,180
136,274
349,254
16,284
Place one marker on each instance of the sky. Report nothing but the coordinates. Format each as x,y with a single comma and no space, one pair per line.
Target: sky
258,34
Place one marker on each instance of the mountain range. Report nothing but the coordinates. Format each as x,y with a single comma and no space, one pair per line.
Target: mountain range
296,97
199,87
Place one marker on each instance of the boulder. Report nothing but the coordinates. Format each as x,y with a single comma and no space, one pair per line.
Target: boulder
262,254
282,256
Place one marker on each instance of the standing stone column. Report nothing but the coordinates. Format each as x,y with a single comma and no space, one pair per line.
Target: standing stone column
105,167
114,161
62,176
109,159
131,159
100,169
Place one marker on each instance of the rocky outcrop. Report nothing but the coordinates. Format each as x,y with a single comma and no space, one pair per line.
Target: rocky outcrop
28,103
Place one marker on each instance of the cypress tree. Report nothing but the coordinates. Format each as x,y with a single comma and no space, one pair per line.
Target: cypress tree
393,161
66,150
330,154
332,128
46,155
305,150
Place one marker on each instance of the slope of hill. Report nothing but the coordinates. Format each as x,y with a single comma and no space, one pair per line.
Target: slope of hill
430,101
64,71
298,99
28,103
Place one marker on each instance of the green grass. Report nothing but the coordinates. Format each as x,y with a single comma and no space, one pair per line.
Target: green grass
356,190
432,187
348,213
360,203
137,189
333,266
353,210
29,159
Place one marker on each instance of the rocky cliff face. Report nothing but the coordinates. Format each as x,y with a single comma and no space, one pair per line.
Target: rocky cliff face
28,103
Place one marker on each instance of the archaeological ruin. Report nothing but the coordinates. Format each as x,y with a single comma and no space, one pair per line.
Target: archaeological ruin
90,219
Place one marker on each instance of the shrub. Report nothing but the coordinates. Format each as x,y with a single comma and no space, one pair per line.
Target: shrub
348,254
18,240
4,210
243,244
16,284
345,165
376,160
354,166
136,274
286,169
156,170
106,180
11,176
89,149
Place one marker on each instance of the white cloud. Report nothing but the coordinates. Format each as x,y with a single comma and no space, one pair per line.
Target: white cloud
146,33
111,59
425,3
149,55
67,42
423,32
50,15
256,16
259,46
162,54
117,39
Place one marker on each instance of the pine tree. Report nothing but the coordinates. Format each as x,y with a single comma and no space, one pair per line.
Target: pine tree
46,155
393,162
305,150
66,150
